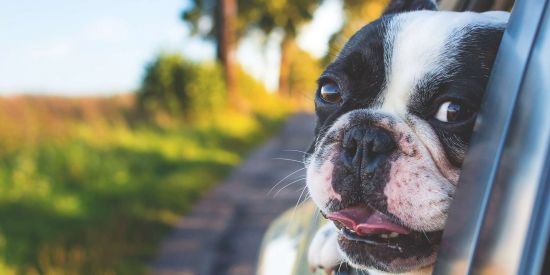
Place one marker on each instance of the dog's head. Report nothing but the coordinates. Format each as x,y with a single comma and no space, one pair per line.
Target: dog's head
395,112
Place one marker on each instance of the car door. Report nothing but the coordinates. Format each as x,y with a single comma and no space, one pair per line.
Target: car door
499,220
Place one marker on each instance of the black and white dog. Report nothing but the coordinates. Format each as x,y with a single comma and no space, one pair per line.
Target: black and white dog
395,112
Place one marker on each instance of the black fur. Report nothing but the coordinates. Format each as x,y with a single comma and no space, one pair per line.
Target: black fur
477,52
360,72
398,6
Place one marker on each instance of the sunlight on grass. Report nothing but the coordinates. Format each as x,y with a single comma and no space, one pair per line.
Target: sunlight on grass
99,195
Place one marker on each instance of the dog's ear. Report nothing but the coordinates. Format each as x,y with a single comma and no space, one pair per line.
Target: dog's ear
397,6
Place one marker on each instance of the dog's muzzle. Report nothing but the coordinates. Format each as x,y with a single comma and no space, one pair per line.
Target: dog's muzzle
366,148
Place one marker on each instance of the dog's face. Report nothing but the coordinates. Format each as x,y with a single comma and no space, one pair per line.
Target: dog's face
395,112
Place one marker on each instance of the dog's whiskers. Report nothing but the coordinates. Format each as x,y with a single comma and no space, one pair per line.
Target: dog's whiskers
291,183
291,160
282,180
425,235
297,203
297,151
317,213
306,198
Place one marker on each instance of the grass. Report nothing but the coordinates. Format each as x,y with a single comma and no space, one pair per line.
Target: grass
98,193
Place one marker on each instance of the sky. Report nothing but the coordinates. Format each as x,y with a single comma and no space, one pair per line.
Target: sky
100,47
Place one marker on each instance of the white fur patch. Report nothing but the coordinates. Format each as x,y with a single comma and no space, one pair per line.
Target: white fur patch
319,169
323,250
421,179
319,182
419,41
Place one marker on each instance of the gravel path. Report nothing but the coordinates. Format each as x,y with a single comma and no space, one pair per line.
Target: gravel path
223,232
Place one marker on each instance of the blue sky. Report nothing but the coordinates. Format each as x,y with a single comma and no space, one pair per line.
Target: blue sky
74,48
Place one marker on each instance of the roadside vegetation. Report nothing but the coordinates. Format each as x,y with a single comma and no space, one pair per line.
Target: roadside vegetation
91,185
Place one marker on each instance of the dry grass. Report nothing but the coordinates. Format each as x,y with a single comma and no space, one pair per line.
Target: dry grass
86,187
28,120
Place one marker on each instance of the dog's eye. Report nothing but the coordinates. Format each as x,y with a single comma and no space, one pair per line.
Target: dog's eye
329,93
451,111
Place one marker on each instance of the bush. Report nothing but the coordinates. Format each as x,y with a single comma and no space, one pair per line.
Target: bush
99,200
176,86
304,71
88,187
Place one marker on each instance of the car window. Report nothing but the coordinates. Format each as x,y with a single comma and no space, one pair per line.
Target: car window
500,216
476,5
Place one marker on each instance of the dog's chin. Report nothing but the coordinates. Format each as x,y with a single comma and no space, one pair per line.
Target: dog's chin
403,253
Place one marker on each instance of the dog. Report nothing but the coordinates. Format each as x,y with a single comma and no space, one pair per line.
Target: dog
395,112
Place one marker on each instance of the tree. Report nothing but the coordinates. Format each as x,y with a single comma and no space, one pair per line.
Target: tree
286,15
357,14
264,15
223,15
178,87
304,69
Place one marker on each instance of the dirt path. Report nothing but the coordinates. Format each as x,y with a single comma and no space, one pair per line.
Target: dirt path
222,234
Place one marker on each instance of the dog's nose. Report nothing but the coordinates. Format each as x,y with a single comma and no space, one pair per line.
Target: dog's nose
366,148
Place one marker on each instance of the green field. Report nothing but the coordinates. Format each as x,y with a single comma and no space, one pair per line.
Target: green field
85,188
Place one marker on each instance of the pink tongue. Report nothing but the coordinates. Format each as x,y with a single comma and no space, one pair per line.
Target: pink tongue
364,221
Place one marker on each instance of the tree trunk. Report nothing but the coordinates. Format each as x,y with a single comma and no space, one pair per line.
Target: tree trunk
284,67
226,44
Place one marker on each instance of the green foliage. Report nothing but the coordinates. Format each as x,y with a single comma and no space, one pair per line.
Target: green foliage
358,13
304,71
99,195
179,87
87,186
264,15
287,15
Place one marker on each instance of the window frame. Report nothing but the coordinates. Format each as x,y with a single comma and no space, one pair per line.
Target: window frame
492,206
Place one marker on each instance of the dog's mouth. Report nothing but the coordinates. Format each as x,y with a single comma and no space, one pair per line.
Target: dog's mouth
366,230
364,221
